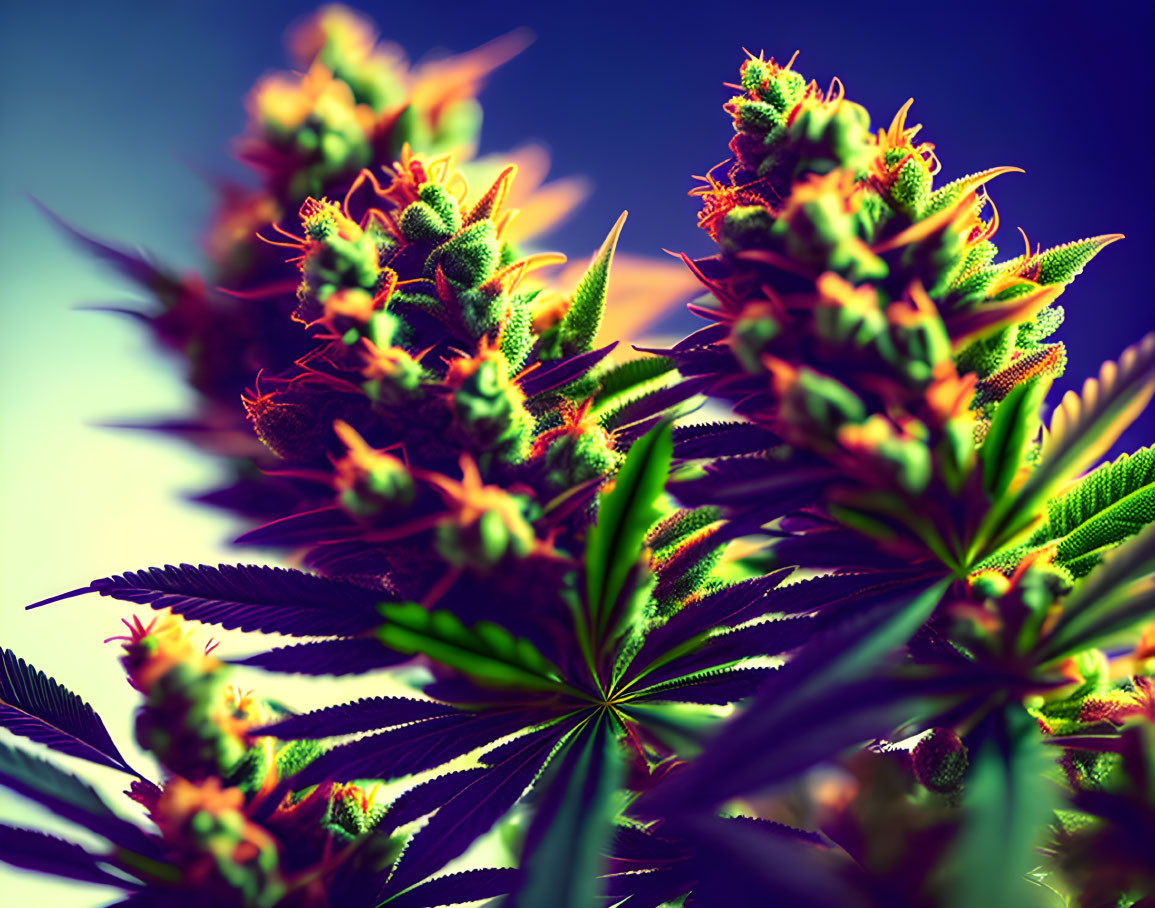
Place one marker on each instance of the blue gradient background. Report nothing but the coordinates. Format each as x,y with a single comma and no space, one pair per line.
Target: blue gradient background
110,111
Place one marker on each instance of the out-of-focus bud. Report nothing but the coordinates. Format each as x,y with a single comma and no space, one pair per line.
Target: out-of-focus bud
369,481
940,761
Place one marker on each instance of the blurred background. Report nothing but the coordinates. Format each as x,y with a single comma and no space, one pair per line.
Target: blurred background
115,113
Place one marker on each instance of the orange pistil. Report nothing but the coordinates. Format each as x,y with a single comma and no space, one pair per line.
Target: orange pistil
414,170
719,199
577,420
384,362
899,137
834,290
507,278
949,394
360,460
463,367
1118,706
152,650
181,801
470,498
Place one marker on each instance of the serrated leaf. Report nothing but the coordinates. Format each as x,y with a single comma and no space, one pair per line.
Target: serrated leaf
246,597
738,857
629,376
402,751
618,415
719,686
1082,429
1084,426
486,652
347,656
427,797
368,714
562,861
1117,594
1107,506
37,707
625,514
764,638
721,439
749,599
804,714
455,888
579,325
474,811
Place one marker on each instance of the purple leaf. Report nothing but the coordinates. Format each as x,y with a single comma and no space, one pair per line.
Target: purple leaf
345,656
37,707
627,435
834,548
668,871
503,752
403,751
721,686
739,861
829,697
249,597
455,888
653,404
703,337
562,372
260,497
562,860
756,484
38,851
427,797
767,638
360,715
710,361
471,813
780,829
730,605
131,264
721,439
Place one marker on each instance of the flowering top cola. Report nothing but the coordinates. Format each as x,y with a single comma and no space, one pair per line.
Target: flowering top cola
860,317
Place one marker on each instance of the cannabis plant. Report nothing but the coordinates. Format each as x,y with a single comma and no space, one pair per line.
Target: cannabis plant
878,639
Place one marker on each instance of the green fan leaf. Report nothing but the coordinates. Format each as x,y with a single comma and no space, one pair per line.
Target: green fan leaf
1008,803
1107,506
486,652
563,858
1013,428
1082,429
1116,595
625,515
